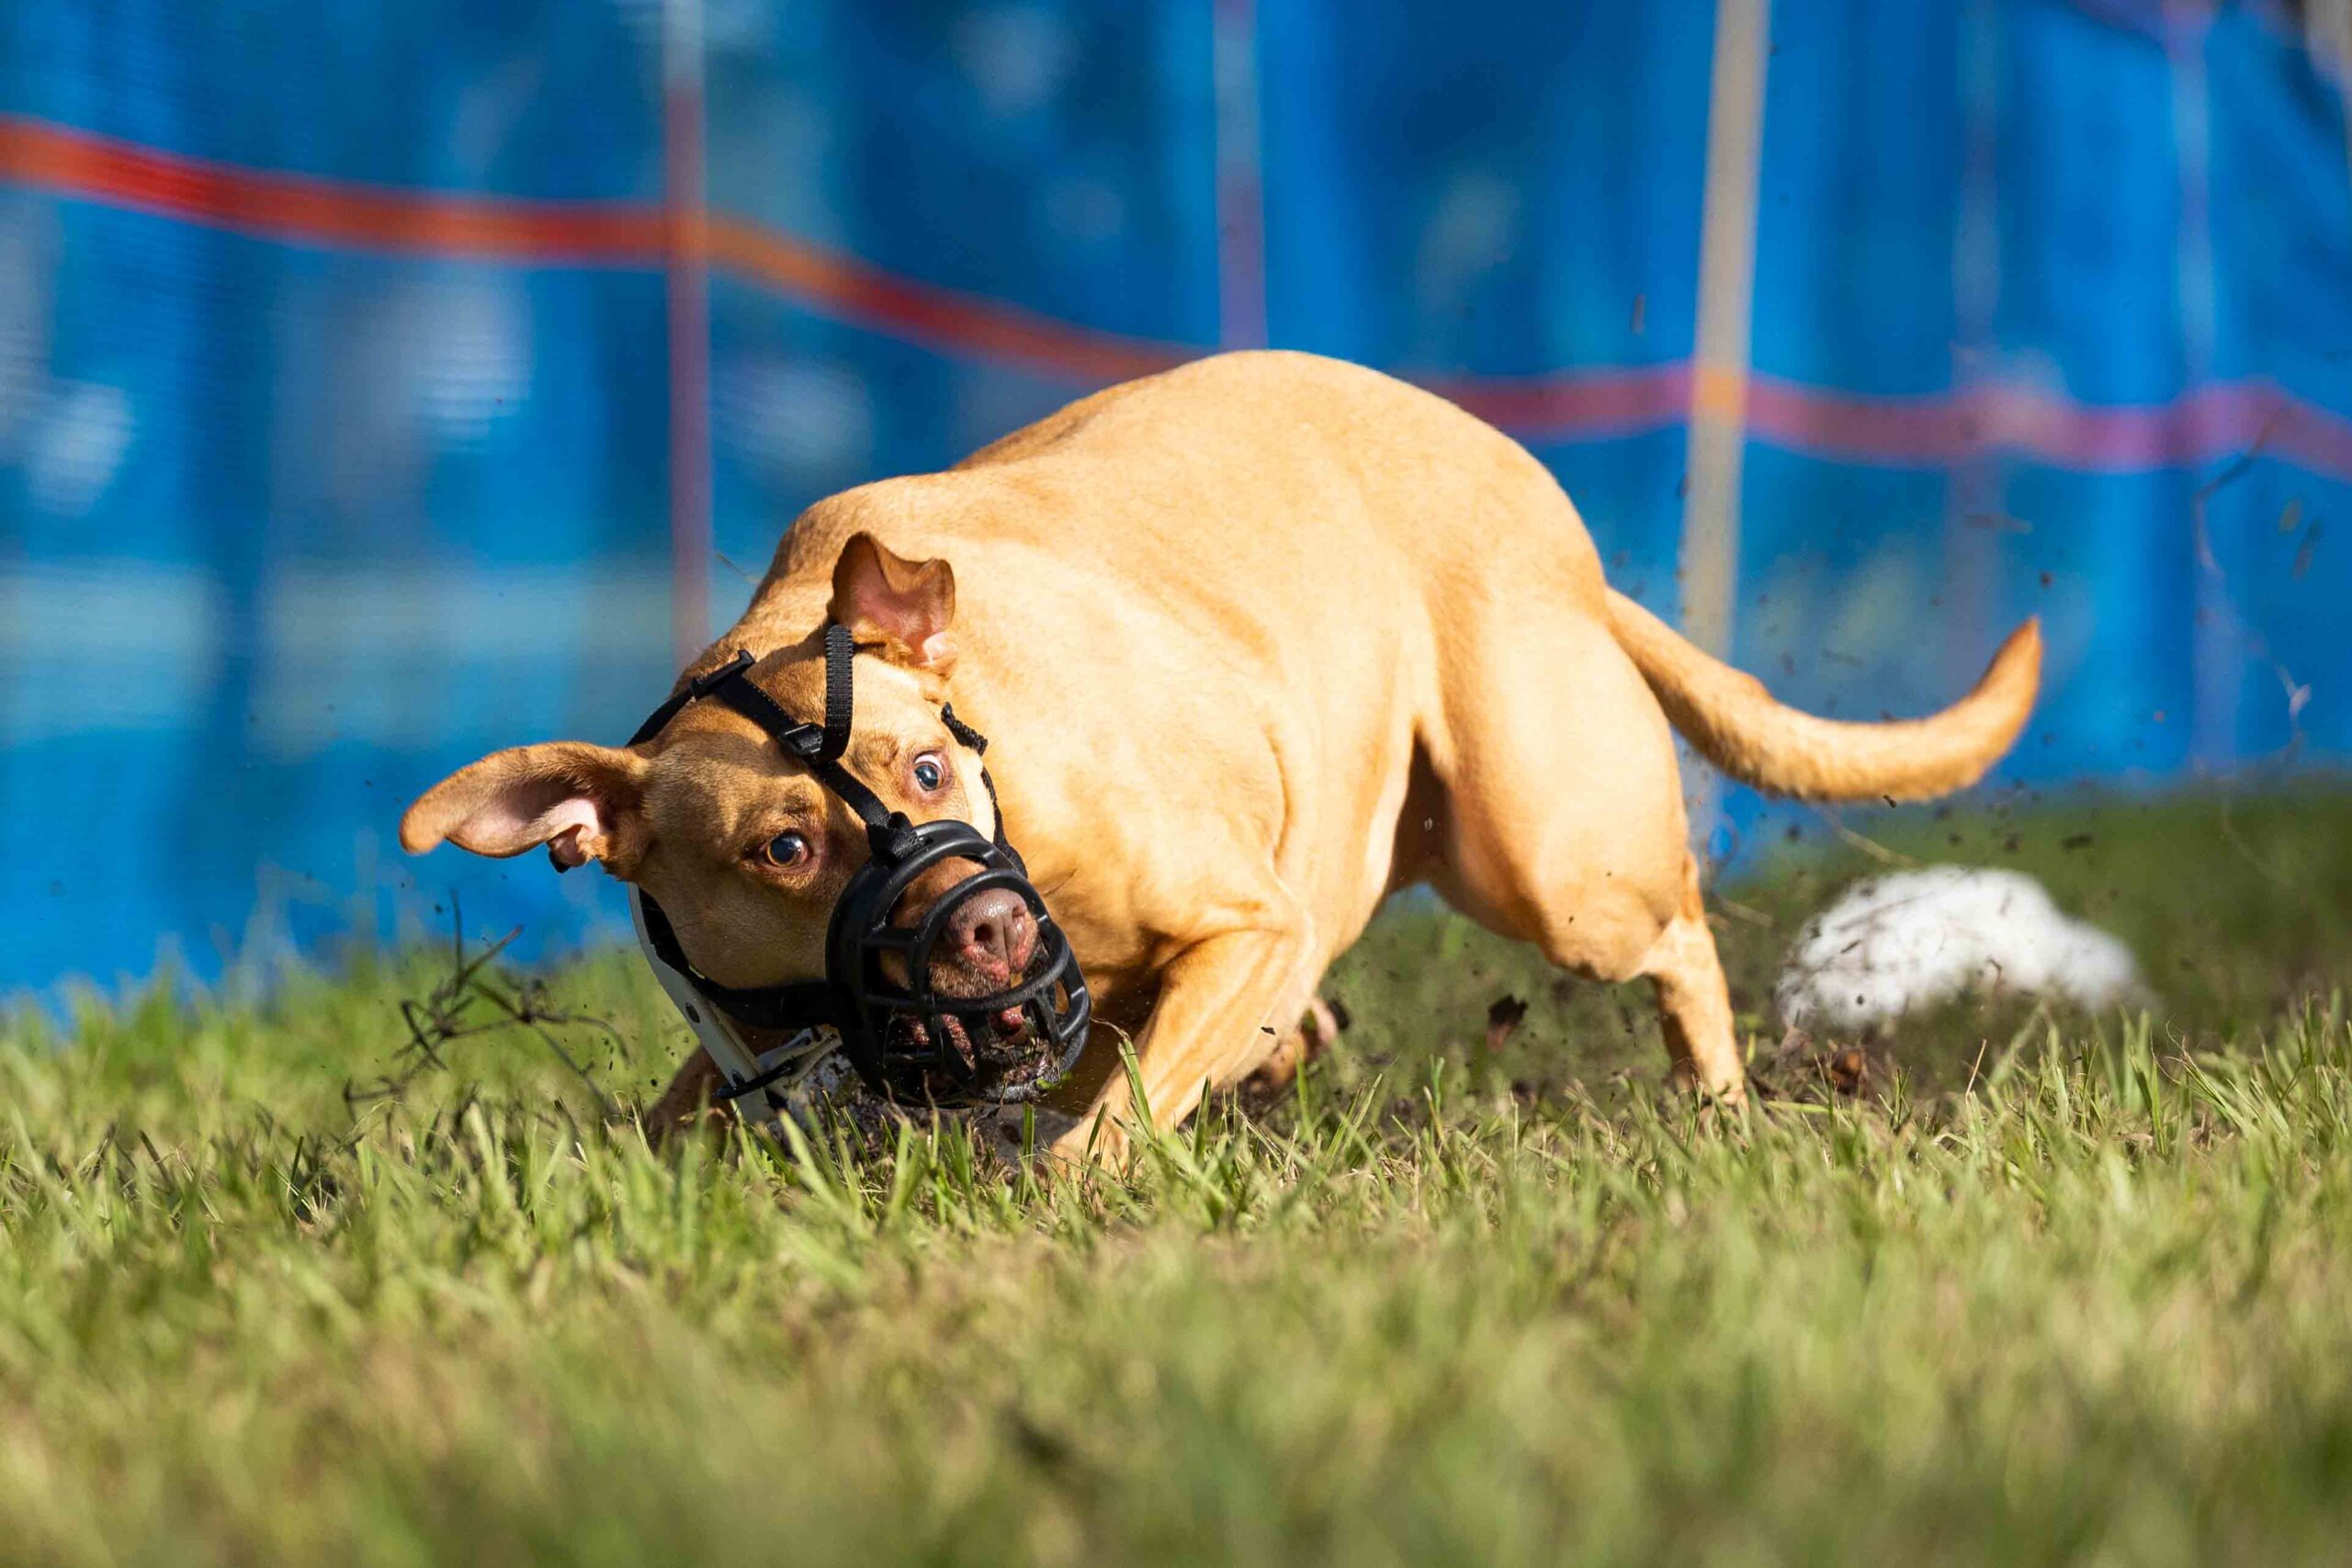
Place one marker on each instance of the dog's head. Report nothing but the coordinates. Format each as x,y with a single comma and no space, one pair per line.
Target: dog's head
743,849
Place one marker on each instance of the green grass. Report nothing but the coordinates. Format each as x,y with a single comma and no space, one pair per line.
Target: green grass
1447,1304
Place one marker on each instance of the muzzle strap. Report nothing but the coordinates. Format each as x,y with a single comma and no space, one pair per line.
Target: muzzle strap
963,733
818,746
839,652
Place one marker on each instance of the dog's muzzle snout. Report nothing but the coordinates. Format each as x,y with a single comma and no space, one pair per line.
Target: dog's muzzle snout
993,936
925,1042
910,1038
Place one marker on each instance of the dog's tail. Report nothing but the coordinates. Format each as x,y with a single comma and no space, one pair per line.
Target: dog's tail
1735,722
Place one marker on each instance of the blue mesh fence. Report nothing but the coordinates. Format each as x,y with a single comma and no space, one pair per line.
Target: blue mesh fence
2052,314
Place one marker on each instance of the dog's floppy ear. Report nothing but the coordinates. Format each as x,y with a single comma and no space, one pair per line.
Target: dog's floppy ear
583,802
905,606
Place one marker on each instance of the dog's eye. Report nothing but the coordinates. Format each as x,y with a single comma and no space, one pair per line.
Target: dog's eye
785,850
930,772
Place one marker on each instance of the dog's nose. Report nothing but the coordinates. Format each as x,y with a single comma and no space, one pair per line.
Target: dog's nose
993,933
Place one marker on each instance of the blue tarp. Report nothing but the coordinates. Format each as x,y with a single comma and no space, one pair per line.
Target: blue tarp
292,524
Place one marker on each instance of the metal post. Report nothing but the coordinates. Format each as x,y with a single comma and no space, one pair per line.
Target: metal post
2216,648
1719,379
1240,200
1975,495
686,248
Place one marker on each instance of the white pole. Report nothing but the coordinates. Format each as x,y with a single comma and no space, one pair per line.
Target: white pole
1710,555
685,271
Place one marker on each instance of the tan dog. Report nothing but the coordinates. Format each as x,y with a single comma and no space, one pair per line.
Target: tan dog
1258,641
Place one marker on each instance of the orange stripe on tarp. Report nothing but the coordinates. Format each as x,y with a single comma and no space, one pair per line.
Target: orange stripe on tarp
1588,404
934,317
2209,422
2218,419
303,208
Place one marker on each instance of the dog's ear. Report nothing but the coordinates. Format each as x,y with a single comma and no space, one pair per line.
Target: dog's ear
583,802
907,607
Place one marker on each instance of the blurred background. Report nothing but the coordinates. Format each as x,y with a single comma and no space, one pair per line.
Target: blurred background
380,385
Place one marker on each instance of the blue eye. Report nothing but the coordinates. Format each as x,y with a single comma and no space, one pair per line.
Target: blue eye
929,774
786,850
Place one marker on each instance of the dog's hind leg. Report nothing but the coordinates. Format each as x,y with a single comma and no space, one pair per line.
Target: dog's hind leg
1564,827
1694,1002
1681,962
1581,932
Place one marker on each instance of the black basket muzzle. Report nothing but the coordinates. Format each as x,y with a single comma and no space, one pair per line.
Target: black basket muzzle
909,1041
917,1044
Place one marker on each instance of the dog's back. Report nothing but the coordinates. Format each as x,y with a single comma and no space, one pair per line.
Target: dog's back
1299,521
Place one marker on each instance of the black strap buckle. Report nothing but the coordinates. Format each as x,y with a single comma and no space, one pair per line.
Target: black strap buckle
893,838
710,680
805,741
788,1058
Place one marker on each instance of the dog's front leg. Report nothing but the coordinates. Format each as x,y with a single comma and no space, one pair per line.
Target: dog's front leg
1220,1006
690,1103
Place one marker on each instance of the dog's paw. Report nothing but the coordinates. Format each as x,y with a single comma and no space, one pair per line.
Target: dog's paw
689,1108
1683,1082
1313,1036
1025,1135
1097,1142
